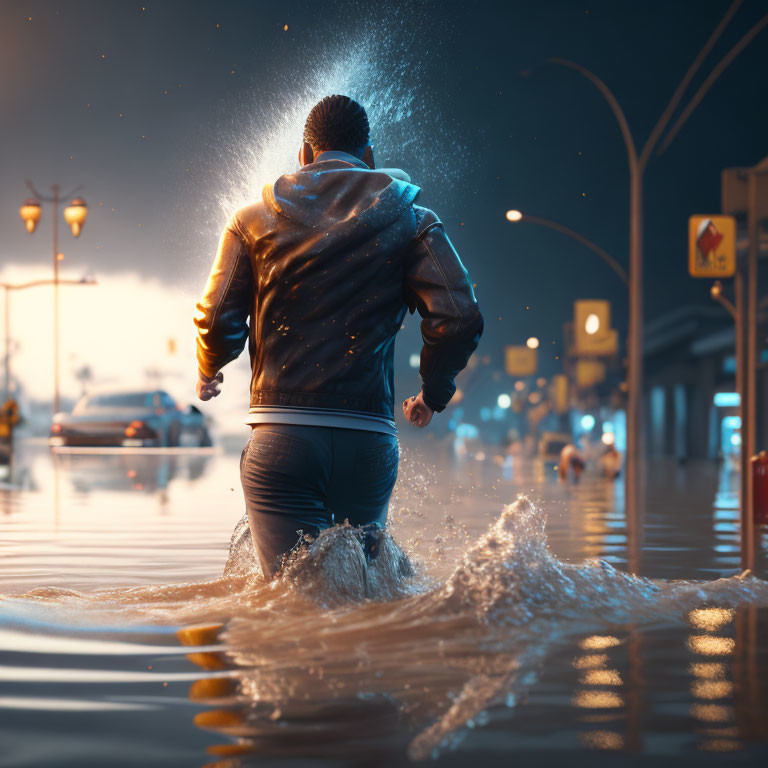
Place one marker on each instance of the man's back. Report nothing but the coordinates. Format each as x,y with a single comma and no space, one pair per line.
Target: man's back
326,266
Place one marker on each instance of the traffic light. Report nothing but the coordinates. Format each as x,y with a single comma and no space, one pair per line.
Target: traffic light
592,332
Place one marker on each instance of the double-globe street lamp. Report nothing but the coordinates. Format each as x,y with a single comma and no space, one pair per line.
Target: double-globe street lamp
74,214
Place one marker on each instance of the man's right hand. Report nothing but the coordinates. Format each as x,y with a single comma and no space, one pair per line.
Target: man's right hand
208,388
417,411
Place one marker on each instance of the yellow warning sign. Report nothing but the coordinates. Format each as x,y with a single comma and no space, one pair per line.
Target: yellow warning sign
589,372
711,246
520,361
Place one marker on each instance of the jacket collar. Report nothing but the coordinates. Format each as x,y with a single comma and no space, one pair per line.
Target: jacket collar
345,157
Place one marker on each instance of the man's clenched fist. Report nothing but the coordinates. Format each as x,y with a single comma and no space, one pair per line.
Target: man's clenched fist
208,388
417,411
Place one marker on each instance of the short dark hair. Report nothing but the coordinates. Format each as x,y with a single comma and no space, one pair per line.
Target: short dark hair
337,122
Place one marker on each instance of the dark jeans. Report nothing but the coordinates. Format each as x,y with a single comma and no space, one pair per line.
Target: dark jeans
300,480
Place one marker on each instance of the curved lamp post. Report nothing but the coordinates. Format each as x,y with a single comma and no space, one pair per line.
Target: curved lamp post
637,163
516,216
75,215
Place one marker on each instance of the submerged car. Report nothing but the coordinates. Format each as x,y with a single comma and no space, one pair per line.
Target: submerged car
130,419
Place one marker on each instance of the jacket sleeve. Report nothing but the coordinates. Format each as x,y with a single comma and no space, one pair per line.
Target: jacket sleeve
221,315
437,284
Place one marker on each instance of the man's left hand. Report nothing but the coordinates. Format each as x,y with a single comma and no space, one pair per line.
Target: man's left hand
208,388
417,411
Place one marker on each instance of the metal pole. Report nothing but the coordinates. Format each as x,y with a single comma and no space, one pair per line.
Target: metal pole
7,342
745,522
634,492
749,415
55,298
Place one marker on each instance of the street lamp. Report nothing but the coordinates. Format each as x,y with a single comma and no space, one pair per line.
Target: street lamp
592,324
74,214
30,214
637,162
532,343
514,216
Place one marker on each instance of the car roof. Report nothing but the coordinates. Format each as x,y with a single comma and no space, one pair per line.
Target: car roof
124,391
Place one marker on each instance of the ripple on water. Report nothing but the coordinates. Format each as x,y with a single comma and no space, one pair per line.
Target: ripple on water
337,630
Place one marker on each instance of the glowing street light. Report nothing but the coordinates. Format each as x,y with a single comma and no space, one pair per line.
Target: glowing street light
504,401
592,324
514,215
75,214
30,213
532,343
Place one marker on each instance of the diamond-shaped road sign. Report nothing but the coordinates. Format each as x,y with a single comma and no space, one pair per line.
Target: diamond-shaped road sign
711,246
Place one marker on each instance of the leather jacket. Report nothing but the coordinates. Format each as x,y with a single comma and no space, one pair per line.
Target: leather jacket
318,276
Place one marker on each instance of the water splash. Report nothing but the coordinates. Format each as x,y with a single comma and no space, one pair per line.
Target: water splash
333,570
339,633
380,66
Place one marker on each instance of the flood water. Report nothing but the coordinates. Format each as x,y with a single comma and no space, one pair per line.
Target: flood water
490,629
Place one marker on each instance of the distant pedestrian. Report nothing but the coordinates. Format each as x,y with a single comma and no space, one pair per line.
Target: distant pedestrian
571,464
610,462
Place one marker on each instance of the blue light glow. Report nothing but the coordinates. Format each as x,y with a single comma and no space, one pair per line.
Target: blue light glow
467,431
727,399
587,422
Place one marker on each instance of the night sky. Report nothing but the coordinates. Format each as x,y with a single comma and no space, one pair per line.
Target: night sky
152,106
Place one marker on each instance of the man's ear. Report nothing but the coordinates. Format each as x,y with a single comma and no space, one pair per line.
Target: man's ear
368,157
306,155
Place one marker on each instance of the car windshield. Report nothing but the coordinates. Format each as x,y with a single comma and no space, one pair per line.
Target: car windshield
115,400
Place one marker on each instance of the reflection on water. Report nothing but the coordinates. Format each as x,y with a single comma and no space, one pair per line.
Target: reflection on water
711,688
484,636
600,694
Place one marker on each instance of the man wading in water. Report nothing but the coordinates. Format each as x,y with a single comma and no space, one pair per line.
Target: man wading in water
325,267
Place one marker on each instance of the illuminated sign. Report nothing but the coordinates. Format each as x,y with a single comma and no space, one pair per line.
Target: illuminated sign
593,334
711,246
